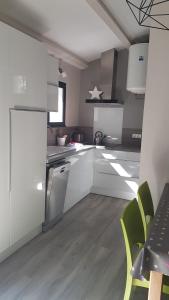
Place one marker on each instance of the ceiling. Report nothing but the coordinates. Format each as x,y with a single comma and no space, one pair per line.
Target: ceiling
73,24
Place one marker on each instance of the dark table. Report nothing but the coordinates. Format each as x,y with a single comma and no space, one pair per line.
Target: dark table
154,257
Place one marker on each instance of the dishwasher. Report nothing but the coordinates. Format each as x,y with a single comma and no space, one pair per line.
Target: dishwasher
56,184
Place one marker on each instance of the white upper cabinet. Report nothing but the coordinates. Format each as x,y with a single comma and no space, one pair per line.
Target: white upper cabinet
52,69
52,84
27,67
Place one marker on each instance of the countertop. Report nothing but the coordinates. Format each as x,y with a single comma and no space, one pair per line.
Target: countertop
59,152
55,153
126,148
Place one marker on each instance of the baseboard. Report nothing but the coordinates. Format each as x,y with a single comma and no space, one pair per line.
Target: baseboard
5,254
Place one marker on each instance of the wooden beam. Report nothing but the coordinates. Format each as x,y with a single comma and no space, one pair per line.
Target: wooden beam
155,286
52,47
103,13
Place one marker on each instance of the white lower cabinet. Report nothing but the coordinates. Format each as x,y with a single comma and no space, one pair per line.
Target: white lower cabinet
80,178
116,173
115,186
101,171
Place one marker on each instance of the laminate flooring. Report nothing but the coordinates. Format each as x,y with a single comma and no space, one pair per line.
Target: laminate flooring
81,258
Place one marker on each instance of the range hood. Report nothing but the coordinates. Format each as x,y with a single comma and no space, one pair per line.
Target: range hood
108,74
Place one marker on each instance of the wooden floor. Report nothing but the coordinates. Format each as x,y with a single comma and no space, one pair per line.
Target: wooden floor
81,258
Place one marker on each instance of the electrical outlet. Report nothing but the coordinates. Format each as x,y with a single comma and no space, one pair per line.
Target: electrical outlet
136,136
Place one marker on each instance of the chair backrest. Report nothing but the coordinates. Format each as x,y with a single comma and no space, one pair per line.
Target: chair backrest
145,203
132,227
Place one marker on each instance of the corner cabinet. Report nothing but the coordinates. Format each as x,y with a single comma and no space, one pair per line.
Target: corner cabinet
116,173
27,69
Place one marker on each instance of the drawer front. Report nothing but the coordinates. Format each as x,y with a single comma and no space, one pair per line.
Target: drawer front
115,186
113,155
121,168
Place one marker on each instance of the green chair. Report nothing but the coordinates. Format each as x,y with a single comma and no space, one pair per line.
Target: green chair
146,206
133,232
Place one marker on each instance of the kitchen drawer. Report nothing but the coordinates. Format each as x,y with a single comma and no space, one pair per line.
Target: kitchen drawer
121,168
113,155
115,186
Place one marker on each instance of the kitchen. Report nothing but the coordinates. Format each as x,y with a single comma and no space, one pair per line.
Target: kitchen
72,119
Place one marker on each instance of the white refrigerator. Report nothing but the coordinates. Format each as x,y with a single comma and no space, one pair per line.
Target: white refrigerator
28,135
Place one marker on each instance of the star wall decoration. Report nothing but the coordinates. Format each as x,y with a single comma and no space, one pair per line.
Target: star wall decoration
95,94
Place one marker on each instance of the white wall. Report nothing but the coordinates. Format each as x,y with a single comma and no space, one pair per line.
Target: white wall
155,141
72,94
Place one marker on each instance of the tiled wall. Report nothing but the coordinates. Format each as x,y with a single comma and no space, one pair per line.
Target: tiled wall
88,135
60,131
127,137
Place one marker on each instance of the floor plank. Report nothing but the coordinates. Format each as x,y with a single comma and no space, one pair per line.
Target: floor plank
81,258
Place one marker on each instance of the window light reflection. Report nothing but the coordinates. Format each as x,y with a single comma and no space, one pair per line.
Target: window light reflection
120,170
82,153
109,156
39,186
133,185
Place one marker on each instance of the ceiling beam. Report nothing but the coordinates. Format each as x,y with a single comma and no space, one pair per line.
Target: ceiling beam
103,13
52,47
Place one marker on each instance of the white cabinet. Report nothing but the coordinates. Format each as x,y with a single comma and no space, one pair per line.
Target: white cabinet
80,178
52,97
52,84
52,69
116,173
28,171
27,68
22,82
4,148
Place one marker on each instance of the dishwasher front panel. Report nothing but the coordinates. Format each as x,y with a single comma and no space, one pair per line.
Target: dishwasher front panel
57,179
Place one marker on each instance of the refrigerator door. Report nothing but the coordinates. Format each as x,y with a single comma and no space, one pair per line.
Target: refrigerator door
28,171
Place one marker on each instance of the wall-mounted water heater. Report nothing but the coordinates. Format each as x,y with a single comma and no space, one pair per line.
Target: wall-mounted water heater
137,68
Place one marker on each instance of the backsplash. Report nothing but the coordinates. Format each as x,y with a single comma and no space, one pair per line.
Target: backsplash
127,137
88,135
52,134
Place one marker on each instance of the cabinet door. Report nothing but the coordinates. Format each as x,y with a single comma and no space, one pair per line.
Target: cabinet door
27,62
116,173
115,186
28,170
80,178
52,69
123,168
52,80
4,134
52,97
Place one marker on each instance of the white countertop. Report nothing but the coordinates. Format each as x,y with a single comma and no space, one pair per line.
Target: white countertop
60,152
